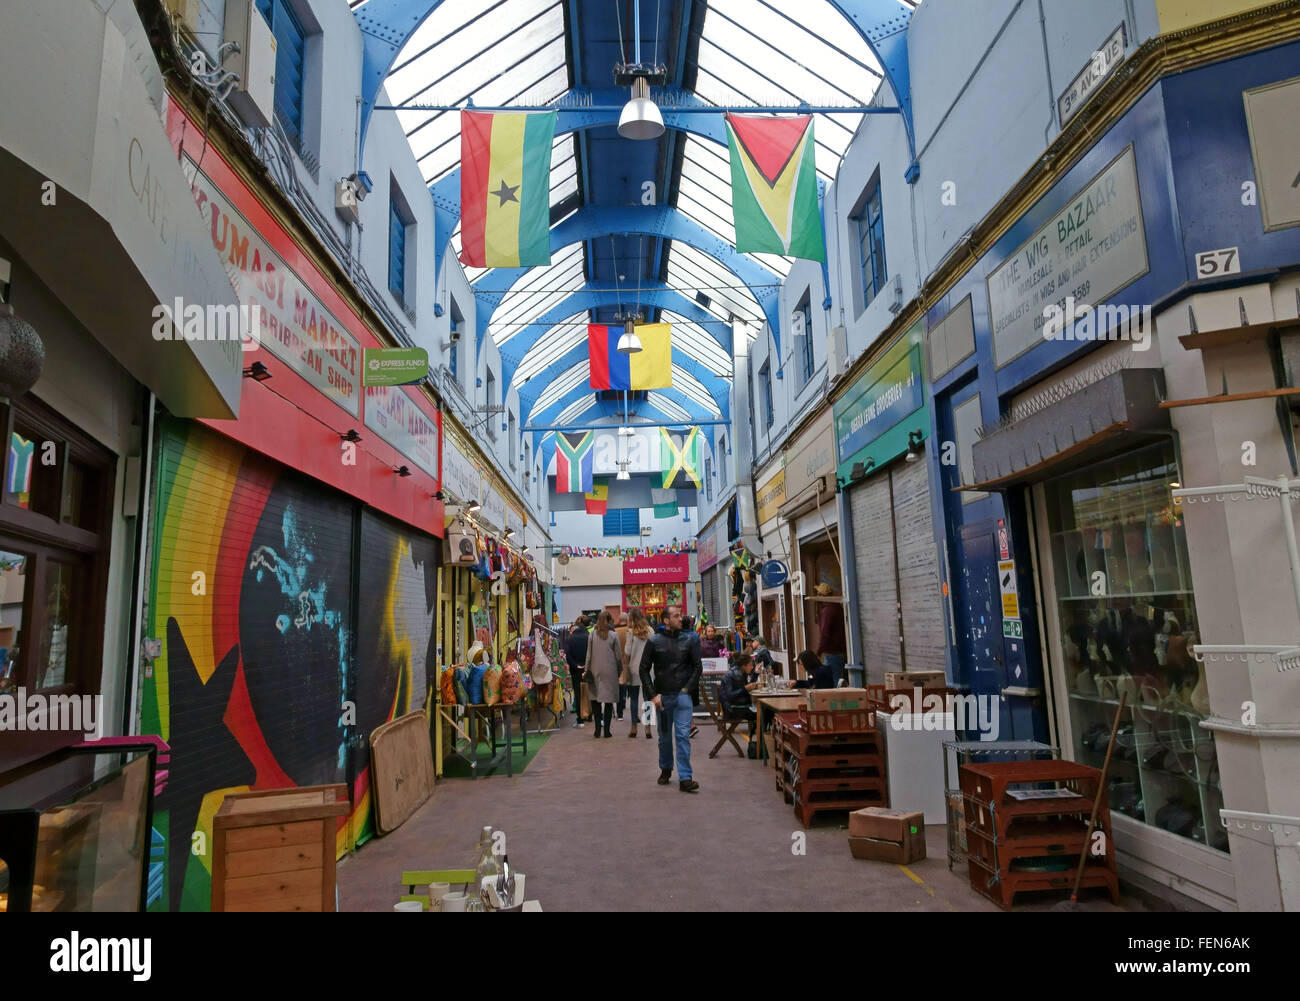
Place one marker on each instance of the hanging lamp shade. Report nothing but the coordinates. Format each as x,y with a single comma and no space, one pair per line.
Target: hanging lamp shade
640,118
629,343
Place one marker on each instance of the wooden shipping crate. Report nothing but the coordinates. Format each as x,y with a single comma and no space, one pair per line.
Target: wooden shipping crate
274,850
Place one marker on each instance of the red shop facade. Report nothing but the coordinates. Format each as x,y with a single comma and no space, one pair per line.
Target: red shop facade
656,583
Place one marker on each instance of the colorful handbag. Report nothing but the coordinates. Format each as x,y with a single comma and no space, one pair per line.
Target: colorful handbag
512,683
492,686
447,686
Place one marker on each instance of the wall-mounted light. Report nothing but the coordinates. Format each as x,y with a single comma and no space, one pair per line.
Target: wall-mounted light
860,470
257,371
474,506
915,441
402,471
351,435
439,495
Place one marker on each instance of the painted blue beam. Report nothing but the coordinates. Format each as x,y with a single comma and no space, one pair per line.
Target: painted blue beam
595,294
651,220
718,388
386,25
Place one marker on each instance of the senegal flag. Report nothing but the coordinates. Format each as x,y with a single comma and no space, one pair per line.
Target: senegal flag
596,500
505,188
774,186
649,368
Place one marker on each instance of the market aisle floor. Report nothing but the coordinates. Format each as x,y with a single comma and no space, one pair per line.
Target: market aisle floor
593,832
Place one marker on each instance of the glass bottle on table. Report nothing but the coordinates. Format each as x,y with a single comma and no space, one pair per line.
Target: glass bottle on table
487,861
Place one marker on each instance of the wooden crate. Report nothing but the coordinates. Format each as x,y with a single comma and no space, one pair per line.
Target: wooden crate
1002,889
274,850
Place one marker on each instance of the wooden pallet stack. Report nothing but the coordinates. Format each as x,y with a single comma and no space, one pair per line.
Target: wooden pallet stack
829,761
1026,825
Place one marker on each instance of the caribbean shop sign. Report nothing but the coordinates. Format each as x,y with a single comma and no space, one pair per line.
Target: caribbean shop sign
396,418
656,569
295,326
886,393
708,550
395,366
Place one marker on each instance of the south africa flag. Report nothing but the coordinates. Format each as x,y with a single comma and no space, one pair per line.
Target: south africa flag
774,186
505,188
575,458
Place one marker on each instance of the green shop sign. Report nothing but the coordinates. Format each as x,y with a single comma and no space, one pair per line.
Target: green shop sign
873,419
394,366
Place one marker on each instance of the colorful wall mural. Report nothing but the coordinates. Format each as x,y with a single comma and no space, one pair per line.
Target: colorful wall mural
292,624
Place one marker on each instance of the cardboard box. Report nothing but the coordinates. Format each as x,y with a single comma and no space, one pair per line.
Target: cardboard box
837,698
895,680
884,835
872,850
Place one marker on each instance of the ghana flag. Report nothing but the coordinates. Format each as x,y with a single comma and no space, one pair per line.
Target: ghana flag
574,462
649,368
774,186
505,188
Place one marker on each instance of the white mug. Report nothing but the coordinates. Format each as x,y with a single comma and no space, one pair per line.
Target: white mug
408,905
455,901
436,892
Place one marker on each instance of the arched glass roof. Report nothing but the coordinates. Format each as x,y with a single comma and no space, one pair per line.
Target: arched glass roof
737,54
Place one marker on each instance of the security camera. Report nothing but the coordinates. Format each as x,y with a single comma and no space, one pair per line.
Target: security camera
454,336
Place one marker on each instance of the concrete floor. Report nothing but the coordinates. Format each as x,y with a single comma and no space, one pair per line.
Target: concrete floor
593,832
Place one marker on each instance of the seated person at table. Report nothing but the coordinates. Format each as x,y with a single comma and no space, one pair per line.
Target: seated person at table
819,675
737,683
762,656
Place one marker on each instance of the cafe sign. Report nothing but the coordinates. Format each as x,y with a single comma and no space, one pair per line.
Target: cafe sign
1089,250
890,391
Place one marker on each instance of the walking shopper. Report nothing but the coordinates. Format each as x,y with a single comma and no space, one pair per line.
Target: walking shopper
575,652
711,644
638,634
622,631
819,675
831,647
670,667
604,656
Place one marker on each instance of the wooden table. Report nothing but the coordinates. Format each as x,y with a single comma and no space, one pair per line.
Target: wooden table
774,703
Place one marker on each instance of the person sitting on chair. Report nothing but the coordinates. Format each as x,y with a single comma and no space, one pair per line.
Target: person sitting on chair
819,675
734,691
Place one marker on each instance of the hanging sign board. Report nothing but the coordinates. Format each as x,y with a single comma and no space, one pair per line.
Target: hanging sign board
775,573
394,366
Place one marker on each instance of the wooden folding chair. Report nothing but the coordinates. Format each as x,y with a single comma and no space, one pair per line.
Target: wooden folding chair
726,725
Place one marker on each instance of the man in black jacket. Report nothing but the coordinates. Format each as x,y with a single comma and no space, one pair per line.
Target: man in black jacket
575,652
670,668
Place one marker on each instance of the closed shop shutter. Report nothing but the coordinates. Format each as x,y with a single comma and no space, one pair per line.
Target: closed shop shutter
251,594
395,659
924,637
873,541
709,589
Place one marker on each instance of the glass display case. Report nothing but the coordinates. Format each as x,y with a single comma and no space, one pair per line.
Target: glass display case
81,845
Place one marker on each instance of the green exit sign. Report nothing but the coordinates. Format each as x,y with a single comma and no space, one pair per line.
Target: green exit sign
1013,629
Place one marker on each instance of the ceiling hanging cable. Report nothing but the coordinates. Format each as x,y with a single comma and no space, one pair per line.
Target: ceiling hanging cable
622,49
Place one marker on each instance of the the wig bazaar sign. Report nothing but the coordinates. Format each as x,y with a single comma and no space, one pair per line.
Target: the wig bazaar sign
667,568
396,418
295,326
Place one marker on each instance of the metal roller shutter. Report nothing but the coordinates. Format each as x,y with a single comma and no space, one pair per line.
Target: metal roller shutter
924,638
873,542
709,589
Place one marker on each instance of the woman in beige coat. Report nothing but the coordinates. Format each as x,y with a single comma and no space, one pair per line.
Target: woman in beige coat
629,679
604,658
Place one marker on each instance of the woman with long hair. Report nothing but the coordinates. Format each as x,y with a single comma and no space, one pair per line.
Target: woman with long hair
711,643
819,675
638,634
604,657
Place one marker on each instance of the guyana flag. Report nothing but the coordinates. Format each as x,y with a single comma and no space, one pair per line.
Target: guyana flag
597,499
680,456
774,186
574,462
649,368
505,188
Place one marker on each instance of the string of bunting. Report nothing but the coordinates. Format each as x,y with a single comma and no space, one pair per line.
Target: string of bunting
626,552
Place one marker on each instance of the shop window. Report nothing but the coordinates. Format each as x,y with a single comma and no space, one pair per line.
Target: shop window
290,65
457,332
804,336
965,419
765,387
1127,623
622,521
722,462
489,401
708,480
54,542
399,221
870,226
510,438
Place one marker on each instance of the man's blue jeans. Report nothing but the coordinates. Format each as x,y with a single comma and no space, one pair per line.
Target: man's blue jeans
675,723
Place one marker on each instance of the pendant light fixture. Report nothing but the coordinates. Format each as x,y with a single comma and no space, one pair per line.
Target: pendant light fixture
629,343
640,118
